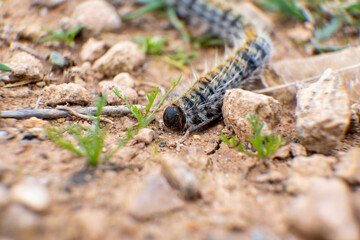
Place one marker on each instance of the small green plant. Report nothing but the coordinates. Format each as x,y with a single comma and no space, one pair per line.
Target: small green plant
5,68
60,36
179,58
143,116
153,46
264,145
88,142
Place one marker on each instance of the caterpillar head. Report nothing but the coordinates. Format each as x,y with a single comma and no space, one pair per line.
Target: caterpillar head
174,118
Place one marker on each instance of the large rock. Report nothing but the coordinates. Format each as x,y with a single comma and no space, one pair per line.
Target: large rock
323,113
96,16
238,104
124,56
25,67
66,93
324,212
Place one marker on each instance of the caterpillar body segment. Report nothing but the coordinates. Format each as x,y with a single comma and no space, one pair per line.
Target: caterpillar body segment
201,104
217,17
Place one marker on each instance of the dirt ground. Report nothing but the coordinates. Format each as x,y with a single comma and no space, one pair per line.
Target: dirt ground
234,203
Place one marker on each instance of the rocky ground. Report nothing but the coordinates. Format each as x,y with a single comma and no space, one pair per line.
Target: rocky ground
151,188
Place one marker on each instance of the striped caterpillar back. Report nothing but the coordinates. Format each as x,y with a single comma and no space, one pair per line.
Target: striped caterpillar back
201,104
218,18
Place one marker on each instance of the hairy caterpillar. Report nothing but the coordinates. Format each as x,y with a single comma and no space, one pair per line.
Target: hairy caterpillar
201,104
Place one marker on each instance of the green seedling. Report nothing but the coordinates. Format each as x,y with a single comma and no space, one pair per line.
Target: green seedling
179,58
5,68
264,145
86,142
161,5
60,36
153,46
156,46
143,116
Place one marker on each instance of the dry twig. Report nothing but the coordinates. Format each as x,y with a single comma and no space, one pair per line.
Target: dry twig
57,113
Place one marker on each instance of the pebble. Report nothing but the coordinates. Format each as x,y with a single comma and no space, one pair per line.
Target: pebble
145,135
282,153
107,87
196,137
315,165
273,176
92,50
66,93
297,184
31,194
324,212
300,34
25,67
289,150
297,149
238,104
85,220
96,17
323,113
124,79
348,167
124,56
124,155
34,122
156,198
4,196
179,176
16,219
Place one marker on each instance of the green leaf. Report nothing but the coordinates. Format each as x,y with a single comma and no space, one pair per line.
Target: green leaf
150,7
329,30
5,68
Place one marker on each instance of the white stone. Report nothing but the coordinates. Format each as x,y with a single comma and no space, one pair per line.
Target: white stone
124,79
107,87
124,56
145,135
323,113
96,16
31,194
178,174
92,50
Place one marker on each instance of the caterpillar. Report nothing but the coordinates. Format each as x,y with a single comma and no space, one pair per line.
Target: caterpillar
201,104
